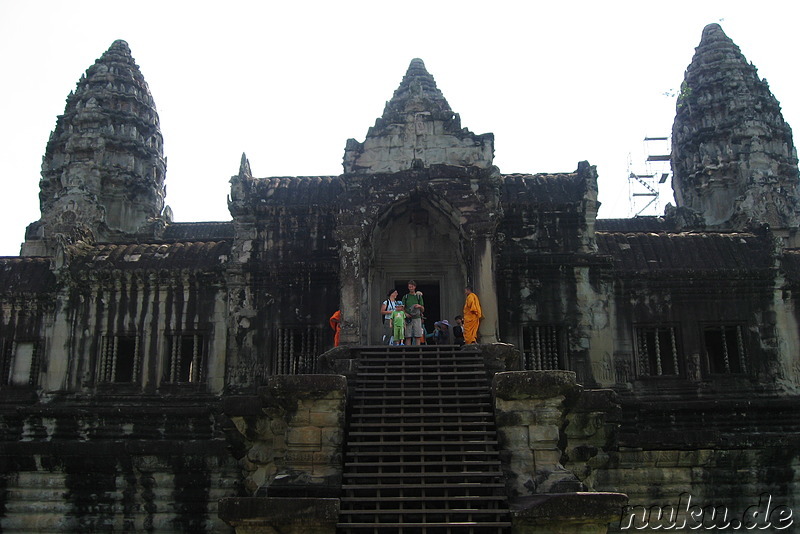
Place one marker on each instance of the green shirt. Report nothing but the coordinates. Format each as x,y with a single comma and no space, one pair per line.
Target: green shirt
398,318
409,300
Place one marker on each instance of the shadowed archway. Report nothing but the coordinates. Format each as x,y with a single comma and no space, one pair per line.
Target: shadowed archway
417,239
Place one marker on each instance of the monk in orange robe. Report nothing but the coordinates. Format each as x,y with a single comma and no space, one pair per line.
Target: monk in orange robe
472,316
336,323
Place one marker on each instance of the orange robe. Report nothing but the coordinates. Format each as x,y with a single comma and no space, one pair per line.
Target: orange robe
472,318
336,324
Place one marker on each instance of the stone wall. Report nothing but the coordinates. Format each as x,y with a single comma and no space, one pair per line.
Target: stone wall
529,414
283,276
292,436
116,463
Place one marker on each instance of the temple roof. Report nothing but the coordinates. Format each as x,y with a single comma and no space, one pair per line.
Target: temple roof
634,224
26,275
294,190
543,189
700,253
192,256
198,231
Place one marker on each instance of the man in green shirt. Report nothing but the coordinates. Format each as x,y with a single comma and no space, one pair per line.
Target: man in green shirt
415,307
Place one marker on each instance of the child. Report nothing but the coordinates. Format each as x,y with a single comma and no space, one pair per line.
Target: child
442,334
398,321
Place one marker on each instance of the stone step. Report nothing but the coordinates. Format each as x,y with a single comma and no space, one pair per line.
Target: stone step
421,452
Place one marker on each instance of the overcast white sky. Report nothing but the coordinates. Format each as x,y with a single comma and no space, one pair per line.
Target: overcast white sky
289,82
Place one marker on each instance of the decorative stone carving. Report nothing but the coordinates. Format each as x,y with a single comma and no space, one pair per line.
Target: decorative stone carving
733,158
103,169
418,129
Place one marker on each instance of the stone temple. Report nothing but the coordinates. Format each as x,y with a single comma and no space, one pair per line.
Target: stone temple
181,377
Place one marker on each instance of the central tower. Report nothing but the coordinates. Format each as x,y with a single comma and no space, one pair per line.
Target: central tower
418,129
421,203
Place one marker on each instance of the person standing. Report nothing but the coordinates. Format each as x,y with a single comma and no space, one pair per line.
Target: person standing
472,316
387,307
414,307
336,324
398,320
458,330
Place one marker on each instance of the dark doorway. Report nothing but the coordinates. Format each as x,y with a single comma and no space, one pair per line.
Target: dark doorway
430,295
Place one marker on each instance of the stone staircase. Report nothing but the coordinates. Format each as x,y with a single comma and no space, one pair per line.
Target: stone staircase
421,453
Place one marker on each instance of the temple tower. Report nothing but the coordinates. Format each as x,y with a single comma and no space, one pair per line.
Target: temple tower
103,170
417,129
734,162
422,203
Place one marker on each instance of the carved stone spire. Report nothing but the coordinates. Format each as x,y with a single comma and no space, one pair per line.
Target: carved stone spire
734,162
244,167
417,129
417,93
103,169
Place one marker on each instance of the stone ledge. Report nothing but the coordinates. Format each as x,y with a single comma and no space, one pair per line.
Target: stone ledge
516,385
312,387
564,512
272,514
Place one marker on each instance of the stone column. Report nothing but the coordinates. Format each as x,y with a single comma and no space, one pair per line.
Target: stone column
486,287
544,497
530,413
294,433
351,283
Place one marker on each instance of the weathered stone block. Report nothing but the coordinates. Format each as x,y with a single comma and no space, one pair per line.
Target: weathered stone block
512,418
520,408
305,437
512,385
667,458
262,452
326,418
289,389
331,437
521,462
298,459
567,513
546,457
543,434
514,438
280,515
300,417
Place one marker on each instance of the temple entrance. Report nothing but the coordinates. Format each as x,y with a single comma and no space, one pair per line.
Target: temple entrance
417,240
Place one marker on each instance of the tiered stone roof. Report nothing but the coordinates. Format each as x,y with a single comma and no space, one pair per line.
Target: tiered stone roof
103,170
198,231
193,256
635,224
733,157
418,129
704,254
417,92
